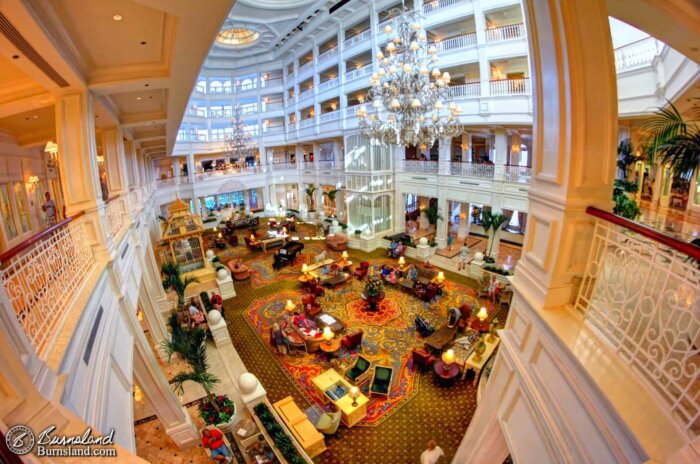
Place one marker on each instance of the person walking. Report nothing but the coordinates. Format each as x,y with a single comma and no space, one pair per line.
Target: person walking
432,454
49,207
463,254
450,239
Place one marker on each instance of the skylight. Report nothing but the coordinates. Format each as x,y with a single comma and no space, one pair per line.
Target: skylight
237,37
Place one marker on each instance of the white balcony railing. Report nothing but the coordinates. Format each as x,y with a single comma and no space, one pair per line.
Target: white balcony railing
640,296
306,94
425,167
220,90
508,87
326,164
197,112
308,122
114,213
41,279
361,37
517,173
306,67
472,169
330,116
502,33
271,82
470,90
387,22
436,5
351,111
459,42
249,109
273,106
283,166
220,113
636,54
328,84
273,130
356,73
328,54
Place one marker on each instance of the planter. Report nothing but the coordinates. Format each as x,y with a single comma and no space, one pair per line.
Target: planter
227,427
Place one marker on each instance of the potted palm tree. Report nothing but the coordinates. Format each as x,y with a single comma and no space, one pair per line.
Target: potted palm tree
433,216
331,194
190,344
172,278
492,226
310,198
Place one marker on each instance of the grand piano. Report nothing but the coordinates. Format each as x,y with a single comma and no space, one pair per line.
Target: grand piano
287,254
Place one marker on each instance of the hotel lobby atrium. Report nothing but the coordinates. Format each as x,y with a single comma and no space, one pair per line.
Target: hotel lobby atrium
350,231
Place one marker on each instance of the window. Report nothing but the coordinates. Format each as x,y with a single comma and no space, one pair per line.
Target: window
7,214
22,208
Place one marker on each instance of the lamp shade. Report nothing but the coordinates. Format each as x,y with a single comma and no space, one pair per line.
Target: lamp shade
290,306
482,314
344,255
441,276
448,357
328,333
354,392
252,237
304,268
402,261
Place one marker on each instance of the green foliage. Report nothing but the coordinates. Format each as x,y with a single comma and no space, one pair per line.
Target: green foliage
683,153
211,218
331,195
491,223
433,215
161,218
172,278
310,196
497,270
358,231
626,207
626,156
277,433
624,186
675,139
206,301
222,413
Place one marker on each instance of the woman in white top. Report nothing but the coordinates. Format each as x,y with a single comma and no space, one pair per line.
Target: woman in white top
432,454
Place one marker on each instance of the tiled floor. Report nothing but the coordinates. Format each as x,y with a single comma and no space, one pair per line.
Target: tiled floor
670,221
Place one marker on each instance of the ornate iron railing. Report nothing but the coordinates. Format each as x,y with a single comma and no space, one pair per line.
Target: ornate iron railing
42,275
456,43
114,212
507,87
508,32
472,169
426,167
517,173
641,295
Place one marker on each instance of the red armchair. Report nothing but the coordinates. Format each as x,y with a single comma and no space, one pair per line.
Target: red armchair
427,293
315,289
361,270
353,340
311,307
422,359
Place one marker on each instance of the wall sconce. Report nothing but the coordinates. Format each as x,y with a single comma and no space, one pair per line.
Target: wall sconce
138,394
100,159
51,147
32,181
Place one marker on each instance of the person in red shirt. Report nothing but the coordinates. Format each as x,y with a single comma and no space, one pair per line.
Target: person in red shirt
214,440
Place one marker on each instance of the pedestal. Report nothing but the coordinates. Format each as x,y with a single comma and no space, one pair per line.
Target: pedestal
476,269
423,251
226,289
185,433
219,332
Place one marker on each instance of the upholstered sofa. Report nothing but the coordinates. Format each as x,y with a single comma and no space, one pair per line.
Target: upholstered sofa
239,271
338,242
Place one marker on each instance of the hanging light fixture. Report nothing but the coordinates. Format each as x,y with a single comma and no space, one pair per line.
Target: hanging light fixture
409,93
239,144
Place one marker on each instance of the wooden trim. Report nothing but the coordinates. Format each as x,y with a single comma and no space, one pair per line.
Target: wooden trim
14,251
653,234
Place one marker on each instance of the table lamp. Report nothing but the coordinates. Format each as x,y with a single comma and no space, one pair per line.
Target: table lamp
290,306
304,269
219,234
482,314
402,261
441,277
344,255
354,394
328,335
284,231
448,357
252,237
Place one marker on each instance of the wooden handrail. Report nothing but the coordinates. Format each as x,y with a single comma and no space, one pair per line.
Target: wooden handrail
14,251
646,231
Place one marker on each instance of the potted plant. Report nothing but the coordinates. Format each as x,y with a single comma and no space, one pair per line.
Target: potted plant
357,233
282,441
190,344
331,194
310,198
431,212
492,225
373,286
172,278
626,207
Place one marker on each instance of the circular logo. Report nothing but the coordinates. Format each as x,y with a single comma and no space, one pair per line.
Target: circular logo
20,440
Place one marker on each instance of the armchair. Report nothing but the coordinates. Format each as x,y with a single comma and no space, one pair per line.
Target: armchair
337,242
359,372
239,271
316,289
427,293
233,240
353,340
328,423
381,381
311,307
361,270
252,246
422,359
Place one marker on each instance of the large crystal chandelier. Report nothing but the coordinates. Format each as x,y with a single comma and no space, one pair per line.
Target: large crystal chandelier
409,94
238,144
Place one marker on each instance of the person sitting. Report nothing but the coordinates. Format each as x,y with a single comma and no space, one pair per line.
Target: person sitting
413,273
392,248
197,318
261,451
302,321
455,315
385,271
399,251
214,440
393,276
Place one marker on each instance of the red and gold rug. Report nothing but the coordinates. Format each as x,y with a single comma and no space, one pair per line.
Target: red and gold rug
389,336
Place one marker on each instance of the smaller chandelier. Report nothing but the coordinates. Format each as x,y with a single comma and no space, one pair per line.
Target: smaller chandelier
239,144
409,93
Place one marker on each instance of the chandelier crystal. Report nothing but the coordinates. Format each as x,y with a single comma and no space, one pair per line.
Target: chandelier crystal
409,94
239,145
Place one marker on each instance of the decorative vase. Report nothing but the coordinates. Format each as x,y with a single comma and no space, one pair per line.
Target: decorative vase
479,349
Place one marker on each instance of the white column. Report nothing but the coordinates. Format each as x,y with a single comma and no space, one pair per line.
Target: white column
190,167
484,67
77,155
515,143
115,160
501,148
466,152
444,156
464,221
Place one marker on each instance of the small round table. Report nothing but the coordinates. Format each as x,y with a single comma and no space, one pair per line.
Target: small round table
344,264
446,376
373,301
330,347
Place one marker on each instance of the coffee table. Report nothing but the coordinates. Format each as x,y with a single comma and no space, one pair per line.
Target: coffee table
446,374
441,338
326,320
372,301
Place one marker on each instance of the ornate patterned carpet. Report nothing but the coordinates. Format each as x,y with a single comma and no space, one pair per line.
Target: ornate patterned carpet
418,410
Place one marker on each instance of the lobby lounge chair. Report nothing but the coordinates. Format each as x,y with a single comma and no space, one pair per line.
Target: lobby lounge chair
381,381
361,270
422,359
360,371
311,307
352,341
329,422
